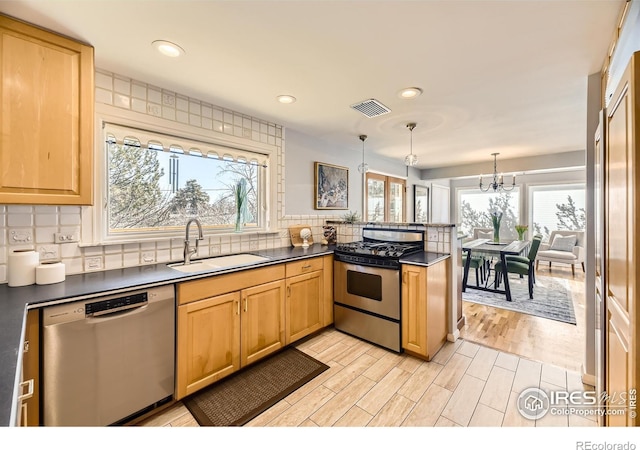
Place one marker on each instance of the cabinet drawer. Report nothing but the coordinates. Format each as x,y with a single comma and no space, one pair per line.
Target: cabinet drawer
190,291
303,266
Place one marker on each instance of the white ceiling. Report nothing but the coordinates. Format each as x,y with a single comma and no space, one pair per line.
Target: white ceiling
504,76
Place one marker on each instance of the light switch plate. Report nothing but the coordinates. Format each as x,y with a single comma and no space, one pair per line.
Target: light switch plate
65,238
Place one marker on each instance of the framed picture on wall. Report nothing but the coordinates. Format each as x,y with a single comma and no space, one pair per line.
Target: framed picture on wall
332,186
420,204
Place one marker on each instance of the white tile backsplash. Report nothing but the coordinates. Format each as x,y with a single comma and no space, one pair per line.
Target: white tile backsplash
35,225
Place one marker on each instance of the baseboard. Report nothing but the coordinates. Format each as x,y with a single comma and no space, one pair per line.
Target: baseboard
588,378
452,337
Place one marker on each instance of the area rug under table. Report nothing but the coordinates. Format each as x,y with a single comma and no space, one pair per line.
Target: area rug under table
551,298
242,396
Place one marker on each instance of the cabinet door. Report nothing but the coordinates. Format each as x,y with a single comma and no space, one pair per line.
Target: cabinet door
414,309
425,293
30,406
327,276
304,305
263,321
438,289
46,90
208,342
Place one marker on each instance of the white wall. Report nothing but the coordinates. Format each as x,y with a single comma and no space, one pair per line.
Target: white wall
302,150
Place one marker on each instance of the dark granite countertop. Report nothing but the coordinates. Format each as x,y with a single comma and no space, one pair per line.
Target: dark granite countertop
14,301
423,258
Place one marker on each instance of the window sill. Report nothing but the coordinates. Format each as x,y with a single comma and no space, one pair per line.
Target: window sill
181,236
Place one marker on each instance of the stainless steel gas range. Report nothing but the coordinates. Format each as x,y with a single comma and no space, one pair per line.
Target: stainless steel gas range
367,284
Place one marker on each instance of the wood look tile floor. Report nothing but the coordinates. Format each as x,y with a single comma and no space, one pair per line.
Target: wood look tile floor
473,382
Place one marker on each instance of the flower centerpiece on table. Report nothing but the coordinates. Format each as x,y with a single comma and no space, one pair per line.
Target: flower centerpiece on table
521,229
496,217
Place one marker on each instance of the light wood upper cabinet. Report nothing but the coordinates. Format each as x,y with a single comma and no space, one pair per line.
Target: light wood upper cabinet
46,90
425,292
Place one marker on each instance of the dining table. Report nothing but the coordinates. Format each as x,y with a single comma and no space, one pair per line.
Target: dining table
486,247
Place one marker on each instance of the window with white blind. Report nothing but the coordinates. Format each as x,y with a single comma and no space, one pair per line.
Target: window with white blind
155,182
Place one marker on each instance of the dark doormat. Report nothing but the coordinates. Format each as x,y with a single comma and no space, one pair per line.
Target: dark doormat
242,396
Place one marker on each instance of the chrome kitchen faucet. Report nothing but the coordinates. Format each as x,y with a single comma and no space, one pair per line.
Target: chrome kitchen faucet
188,250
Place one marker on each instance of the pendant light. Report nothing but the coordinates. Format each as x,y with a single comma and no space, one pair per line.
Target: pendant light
364,167
411,159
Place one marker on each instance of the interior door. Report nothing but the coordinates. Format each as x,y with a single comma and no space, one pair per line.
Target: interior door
620,255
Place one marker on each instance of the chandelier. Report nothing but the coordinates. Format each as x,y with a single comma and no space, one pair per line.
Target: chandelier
411,159
364,167
498,181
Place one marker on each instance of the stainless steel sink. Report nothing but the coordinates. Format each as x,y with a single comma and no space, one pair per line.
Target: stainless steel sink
218,262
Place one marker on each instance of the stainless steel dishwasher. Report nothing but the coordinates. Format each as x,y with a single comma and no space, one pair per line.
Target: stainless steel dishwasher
108,358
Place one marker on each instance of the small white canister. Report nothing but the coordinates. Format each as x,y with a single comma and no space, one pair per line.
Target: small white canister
22,267
50,272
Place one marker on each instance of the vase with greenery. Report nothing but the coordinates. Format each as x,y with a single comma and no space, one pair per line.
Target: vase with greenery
521,229
240,193
351,217
496,217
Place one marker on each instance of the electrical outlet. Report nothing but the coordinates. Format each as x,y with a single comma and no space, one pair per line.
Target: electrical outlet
65,238
168,99
432,235
93,263
22,236
49,252
149,257
154,110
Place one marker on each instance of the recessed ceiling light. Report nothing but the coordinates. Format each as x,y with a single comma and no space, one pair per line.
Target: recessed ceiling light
410,92
286,98
168,48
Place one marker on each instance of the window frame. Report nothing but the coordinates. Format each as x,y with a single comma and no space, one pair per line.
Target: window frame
546,186
95,218
387,180
519,200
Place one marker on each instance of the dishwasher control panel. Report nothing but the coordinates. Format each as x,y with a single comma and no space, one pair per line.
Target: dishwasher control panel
118,303
87,308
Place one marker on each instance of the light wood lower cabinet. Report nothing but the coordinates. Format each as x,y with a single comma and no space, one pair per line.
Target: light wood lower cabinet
305,306
425,294
262,321
29,411
208,342
227,322
220,334
327,281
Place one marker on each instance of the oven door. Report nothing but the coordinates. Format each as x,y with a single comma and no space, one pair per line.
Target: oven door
370,289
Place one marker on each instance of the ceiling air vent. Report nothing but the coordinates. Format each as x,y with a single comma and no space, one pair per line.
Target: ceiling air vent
371,108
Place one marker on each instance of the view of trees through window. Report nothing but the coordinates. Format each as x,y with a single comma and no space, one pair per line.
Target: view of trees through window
557,207
476,208
154,189
552,207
